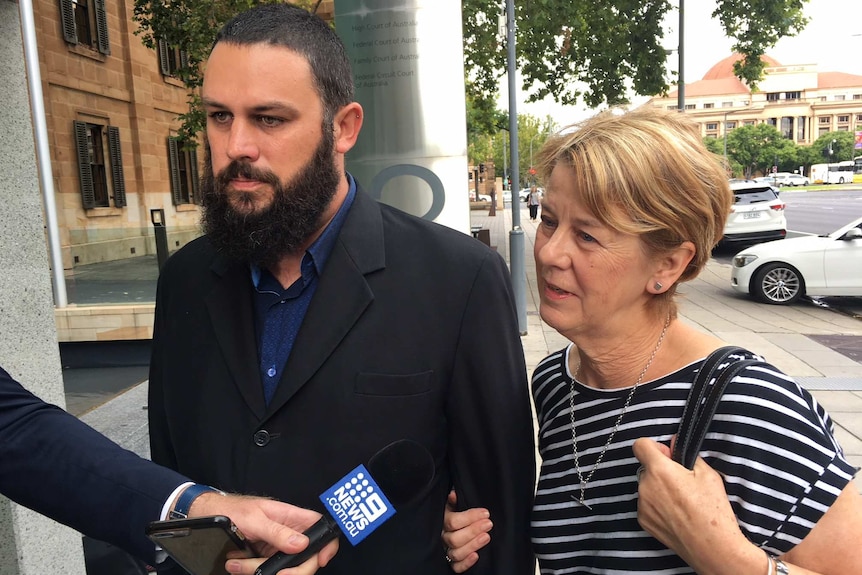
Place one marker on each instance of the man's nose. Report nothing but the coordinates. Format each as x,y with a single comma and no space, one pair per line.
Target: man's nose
242,143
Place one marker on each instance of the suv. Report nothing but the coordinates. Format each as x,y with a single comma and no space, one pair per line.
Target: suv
757,215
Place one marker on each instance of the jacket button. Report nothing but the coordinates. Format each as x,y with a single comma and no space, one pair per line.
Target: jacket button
261,438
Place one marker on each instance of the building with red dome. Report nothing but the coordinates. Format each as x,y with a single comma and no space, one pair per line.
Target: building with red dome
800,101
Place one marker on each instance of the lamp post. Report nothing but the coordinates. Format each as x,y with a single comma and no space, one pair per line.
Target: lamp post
517,252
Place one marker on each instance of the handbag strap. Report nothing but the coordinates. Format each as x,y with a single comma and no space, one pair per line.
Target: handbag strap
703,398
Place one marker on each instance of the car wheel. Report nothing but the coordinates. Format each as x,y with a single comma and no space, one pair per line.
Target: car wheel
840,180
777,283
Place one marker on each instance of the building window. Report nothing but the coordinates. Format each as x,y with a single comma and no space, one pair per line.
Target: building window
171,59
825,119
183,165
842,129
749,123
712,126
94,165
773,96
709,105
787,127
85,22
792,95
689,106
843,119
857,96
838,97
728,104
859,117
822,131
671,107
729,125
800,128
772,122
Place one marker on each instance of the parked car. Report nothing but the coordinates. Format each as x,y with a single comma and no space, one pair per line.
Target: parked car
788,179
766,180
507,196
783,271
757,214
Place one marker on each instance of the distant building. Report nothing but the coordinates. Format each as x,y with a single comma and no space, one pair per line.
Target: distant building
799,101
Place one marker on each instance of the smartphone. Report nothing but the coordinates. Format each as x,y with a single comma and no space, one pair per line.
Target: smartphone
200,545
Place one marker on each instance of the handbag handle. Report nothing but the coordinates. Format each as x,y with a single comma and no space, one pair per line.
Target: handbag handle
703,398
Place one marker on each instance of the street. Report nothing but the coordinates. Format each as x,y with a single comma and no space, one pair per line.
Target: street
819,212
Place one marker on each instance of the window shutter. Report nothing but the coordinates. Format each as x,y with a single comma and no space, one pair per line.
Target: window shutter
193,170
163,58
118,181
85,174
174,166
102,27
67,13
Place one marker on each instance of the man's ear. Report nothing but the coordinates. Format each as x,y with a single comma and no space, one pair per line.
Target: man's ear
671,267
346,126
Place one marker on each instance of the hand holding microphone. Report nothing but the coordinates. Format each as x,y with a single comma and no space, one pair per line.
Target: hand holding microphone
363,500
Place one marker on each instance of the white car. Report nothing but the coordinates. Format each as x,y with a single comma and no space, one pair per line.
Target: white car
793,180
524,194
783,271
757,215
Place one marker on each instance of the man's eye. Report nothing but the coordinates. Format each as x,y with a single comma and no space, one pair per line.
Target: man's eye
219,116
270,121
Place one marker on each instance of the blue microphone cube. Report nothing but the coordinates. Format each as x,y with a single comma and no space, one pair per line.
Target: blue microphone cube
357,504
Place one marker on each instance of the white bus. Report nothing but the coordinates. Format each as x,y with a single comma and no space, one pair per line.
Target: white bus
836,173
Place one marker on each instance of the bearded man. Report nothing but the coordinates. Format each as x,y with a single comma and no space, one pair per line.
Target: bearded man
311,326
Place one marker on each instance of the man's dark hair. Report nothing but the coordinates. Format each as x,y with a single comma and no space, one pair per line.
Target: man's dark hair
306,34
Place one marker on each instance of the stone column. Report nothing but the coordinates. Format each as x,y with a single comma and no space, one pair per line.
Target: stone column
29,543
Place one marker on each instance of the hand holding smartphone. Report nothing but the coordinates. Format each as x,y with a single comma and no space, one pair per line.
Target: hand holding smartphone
200,545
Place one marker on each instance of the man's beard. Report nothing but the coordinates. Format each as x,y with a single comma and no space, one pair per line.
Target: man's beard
263,236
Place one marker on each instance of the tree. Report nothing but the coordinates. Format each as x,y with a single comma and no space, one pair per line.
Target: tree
571,50
833,147
758,148
600,52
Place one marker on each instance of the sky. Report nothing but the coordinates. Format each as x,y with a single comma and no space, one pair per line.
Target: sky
832,41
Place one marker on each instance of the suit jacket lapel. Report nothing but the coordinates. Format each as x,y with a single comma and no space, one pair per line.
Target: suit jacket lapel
342,296
230,309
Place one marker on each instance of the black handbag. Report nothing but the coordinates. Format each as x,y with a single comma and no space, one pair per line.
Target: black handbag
706,391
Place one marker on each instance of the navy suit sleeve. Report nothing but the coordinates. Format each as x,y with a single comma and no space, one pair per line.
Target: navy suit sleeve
55,464
492,446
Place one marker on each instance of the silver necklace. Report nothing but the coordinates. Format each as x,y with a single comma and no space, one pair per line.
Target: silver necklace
589,476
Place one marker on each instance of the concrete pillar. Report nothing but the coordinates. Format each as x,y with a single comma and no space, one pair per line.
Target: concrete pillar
29,543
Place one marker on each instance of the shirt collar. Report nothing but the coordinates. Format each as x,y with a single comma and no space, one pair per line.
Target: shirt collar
319,251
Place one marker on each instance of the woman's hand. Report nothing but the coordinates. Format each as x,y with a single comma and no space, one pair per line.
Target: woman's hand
464,533
688,510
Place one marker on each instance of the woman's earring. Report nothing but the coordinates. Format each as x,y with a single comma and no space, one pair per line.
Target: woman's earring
658,286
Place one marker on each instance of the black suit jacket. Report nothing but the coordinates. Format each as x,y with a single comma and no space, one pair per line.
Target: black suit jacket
411,334
55,464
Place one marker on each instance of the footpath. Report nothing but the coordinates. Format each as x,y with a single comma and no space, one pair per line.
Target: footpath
819,347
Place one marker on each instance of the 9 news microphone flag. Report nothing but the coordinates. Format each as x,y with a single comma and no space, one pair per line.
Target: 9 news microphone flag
358,503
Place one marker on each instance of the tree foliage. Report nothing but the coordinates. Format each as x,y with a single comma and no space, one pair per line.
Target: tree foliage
602,52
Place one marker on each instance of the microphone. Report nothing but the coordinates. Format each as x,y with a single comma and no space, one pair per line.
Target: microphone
363,500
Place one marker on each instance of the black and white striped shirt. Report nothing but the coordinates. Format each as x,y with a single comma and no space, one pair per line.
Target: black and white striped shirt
770,440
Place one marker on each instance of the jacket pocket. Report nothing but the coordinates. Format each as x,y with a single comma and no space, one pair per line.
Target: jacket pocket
385,384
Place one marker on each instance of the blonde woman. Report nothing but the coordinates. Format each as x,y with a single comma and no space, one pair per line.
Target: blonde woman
633,206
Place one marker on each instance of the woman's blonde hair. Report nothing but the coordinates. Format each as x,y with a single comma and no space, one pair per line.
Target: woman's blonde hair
647,172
